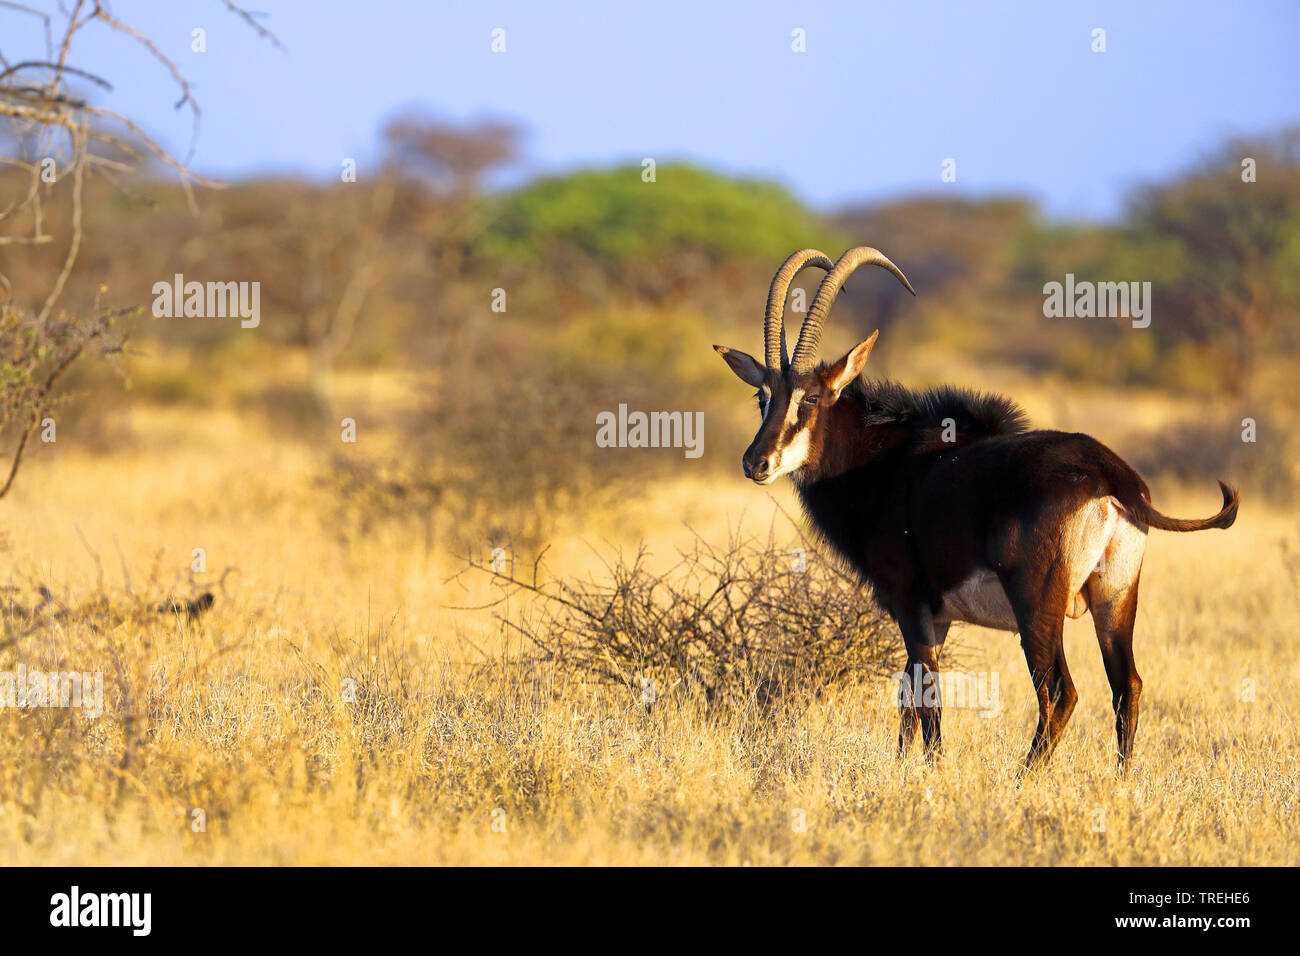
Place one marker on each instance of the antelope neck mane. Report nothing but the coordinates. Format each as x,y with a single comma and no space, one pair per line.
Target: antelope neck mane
924,414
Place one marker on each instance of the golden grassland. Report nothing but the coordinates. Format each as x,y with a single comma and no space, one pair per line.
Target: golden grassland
456,753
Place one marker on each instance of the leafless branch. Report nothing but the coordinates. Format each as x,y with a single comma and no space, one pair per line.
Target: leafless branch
49,125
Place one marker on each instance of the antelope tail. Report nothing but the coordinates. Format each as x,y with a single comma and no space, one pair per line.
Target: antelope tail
1140,508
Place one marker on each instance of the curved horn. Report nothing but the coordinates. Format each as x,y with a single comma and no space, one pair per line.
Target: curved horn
774,319
810,336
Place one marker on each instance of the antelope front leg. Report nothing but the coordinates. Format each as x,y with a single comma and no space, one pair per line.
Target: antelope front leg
919,700
907,715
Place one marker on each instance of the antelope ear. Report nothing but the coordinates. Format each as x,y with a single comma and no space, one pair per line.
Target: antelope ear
745,366
839,375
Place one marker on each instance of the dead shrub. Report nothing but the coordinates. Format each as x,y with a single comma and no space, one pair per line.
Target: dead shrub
747,623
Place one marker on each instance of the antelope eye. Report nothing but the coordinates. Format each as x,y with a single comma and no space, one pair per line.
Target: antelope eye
810,400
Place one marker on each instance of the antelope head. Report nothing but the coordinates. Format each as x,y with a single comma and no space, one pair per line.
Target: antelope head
795,397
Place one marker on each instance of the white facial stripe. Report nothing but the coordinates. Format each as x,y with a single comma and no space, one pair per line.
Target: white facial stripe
792,410
795,453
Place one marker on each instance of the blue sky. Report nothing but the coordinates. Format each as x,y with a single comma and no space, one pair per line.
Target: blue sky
884,93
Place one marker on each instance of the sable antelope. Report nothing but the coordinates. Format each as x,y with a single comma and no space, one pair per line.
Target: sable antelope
953,510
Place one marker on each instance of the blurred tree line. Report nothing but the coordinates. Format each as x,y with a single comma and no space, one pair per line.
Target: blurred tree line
526,308
408,255
1221,247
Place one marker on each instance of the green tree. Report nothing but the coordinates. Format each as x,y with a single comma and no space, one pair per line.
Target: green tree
601,231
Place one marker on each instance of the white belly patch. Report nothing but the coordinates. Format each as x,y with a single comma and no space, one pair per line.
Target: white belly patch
1100,548
979,600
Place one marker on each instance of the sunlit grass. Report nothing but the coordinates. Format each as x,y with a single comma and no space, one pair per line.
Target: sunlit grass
453,753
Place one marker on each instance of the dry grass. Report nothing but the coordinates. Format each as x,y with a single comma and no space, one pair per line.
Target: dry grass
456,750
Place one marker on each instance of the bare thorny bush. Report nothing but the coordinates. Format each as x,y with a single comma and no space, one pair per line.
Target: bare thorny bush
740,625
53,138
34,355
